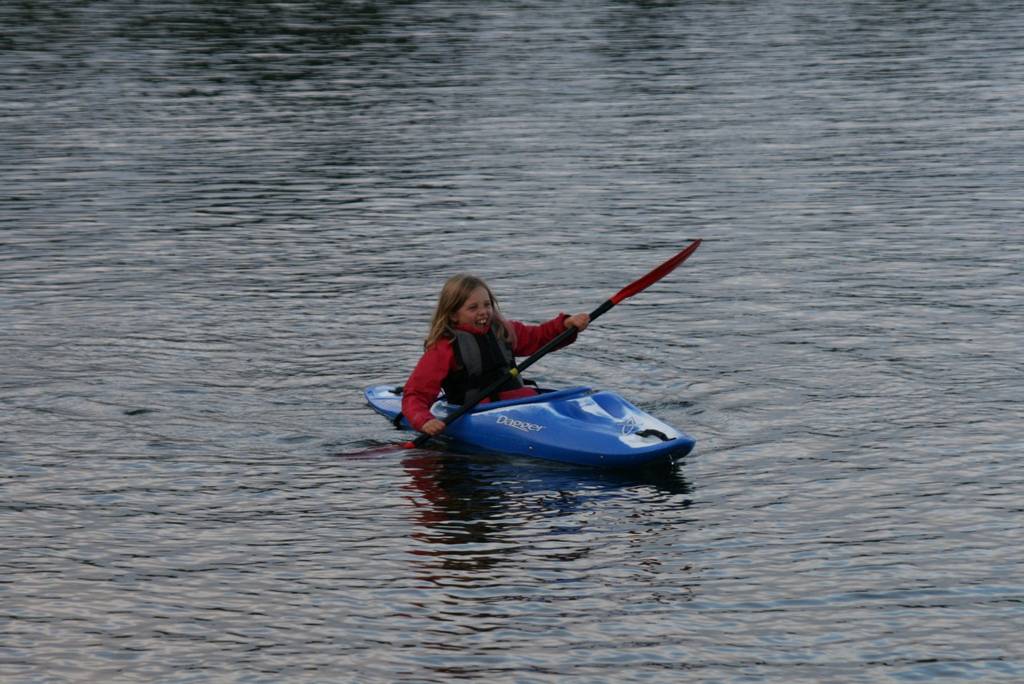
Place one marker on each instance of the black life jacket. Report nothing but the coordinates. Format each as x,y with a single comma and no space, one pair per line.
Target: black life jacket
482,359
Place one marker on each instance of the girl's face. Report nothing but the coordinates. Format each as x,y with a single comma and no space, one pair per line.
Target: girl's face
476,312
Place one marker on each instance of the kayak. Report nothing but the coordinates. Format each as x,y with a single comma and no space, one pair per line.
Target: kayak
576,425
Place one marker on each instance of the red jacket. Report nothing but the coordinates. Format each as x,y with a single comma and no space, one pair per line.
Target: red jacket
424,384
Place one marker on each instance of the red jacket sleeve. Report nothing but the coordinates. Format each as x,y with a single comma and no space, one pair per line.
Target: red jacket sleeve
424,384
530,338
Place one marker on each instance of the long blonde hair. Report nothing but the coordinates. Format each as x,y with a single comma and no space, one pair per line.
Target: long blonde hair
454,294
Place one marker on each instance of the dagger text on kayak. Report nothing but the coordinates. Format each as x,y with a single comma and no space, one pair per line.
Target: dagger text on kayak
519,424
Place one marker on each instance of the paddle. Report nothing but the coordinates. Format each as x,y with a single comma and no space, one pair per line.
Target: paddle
633,288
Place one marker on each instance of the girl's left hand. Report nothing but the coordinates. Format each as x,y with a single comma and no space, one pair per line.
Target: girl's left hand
580,321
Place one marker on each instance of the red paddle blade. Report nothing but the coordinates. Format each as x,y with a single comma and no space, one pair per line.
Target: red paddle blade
655,275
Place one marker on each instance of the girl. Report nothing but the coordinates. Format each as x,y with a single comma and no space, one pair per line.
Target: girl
470,346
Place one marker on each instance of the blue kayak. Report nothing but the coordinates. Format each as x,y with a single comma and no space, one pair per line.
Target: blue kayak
576,425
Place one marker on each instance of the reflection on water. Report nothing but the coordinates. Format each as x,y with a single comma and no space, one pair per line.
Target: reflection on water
527,551
485,503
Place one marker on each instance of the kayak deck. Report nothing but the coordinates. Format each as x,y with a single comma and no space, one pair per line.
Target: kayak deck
575,425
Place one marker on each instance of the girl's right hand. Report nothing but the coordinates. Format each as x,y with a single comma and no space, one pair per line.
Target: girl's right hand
433,427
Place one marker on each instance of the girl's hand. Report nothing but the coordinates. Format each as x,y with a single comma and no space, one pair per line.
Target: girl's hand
580,321
433,427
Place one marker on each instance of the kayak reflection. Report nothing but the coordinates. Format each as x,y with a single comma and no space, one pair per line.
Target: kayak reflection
477,512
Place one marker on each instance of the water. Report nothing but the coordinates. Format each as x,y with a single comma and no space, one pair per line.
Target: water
220,221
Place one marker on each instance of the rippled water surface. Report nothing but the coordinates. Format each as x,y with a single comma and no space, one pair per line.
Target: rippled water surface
220,221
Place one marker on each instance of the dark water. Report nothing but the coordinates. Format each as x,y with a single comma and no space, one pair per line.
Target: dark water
220,221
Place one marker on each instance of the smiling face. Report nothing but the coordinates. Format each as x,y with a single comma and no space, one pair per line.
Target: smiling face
476,312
